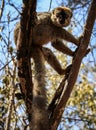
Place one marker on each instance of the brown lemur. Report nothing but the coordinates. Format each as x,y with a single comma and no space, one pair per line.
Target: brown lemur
49,28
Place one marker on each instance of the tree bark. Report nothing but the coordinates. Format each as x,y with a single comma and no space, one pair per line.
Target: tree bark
23,52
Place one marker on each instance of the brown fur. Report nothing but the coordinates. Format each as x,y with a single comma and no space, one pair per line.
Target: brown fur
39,102
49,29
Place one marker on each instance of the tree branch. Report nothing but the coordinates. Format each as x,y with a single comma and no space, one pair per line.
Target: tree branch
23,52
1,9
69,84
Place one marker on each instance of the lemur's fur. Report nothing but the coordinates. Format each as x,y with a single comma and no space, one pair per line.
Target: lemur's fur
49,28
39,102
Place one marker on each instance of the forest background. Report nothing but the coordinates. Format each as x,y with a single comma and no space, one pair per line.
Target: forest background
80,111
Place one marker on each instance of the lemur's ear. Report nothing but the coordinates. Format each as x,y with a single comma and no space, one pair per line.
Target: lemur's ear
71,15
53,11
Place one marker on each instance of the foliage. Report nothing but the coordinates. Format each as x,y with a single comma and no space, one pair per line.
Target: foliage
83,104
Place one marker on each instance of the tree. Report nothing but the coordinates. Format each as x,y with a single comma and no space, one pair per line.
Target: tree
60,99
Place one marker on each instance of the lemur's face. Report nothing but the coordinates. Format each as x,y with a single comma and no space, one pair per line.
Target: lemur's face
61,16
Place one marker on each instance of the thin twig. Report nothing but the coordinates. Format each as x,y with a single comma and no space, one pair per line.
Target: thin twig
1,9
50,5
7,63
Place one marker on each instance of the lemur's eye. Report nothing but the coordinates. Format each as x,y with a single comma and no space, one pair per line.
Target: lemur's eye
66,15
58,14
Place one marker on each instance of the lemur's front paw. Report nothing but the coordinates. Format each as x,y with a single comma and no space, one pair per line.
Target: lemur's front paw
65,71
87,51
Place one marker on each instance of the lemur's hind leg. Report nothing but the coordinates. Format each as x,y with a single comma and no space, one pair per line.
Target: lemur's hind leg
52,60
